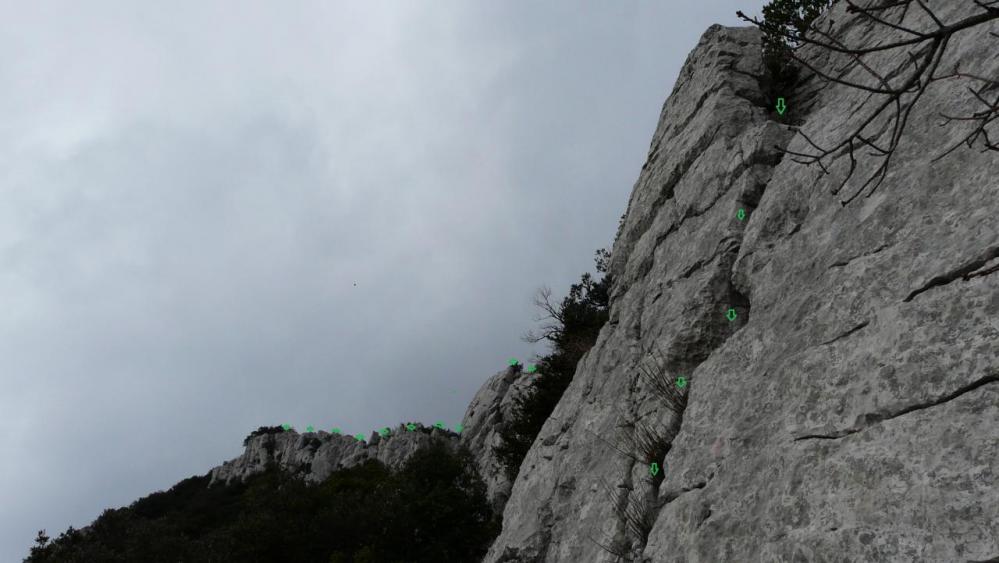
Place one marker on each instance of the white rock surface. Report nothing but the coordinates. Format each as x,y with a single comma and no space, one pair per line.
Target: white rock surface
851,412
315,455
485,416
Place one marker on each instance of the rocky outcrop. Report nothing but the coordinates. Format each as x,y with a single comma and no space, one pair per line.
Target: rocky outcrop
491,407
316,455
849,409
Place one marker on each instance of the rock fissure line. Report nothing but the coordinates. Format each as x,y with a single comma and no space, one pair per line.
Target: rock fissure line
963,272
692,212
859,327
846,262
871,419
982,273
730,244
668,187
671,496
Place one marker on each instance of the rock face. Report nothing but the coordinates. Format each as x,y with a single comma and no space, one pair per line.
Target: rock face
315,455
485,416
850,410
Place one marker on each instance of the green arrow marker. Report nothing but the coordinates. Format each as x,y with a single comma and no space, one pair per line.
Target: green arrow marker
681,382
781,106
440,425
286,427
411,427
384,432
654,469
309,429
730,314
360,437
336,430
458,428
513,362
740,214
531,368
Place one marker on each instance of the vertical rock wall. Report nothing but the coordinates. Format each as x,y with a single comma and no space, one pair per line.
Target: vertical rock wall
489,410
850,411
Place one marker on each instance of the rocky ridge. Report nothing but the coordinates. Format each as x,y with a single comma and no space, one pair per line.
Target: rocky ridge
316,455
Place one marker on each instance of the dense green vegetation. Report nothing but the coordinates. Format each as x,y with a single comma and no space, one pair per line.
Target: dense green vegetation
571,328
784,22
433,509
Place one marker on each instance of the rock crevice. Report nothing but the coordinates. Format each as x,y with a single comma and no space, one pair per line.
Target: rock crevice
964,272
870,419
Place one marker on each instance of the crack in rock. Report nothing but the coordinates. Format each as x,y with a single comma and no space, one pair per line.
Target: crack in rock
861,326
671,496
846,262
870,419
964,272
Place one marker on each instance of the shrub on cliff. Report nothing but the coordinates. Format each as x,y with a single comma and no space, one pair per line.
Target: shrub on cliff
571,328
783,22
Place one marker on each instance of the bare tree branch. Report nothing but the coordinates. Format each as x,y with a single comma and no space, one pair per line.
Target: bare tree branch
882,128
551,316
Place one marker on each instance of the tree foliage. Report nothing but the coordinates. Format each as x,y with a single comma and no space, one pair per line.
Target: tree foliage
433,509
784,22
571,328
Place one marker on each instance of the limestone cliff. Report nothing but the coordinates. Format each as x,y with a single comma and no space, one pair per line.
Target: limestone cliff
850,411
485,416
315,455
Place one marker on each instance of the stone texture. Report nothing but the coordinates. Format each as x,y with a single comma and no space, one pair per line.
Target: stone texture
851,411
315,455
491,406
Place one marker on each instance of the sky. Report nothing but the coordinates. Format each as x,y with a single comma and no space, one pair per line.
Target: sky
216,216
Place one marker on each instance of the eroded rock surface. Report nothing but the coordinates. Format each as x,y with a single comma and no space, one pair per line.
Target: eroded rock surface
491,407
315,455
850,412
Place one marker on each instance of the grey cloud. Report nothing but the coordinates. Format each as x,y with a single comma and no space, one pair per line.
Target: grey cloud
188,196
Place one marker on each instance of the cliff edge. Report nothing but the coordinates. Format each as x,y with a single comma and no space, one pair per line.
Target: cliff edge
842,362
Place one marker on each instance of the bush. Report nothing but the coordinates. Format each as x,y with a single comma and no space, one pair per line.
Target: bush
571,327
784,22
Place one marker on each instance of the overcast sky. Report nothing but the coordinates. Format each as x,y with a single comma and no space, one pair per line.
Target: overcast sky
221,215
